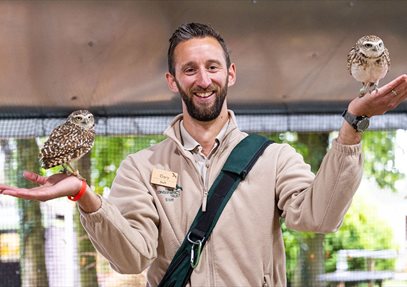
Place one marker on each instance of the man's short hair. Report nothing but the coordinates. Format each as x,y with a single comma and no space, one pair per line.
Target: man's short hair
189,31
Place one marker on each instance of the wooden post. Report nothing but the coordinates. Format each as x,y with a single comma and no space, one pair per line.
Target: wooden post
370,267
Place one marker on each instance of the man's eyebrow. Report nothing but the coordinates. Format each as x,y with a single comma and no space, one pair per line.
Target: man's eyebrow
192,63
188,64
214,62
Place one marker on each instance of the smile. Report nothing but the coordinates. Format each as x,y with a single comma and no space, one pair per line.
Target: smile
204,95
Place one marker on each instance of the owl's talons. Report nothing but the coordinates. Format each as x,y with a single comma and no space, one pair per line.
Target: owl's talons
76,173
368,88
362,91
69,170
371,87
374,88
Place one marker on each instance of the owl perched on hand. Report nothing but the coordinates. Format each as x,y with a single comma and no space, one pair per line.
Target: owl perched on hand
369,62
69,141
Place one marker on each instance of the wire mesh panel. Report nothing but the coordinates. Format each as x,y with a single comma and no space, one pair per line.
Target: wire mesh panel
42,244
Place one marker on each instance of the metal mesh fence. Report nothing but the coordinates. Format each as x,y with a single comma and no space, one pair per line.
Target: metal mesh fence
43,244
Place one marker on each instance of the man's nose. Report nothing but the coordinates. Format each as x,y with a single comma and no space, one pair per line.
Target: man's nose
203,79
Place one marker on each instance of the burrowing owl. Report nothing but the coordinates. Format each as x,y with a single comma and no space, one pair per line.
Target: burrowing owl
369,62
69,141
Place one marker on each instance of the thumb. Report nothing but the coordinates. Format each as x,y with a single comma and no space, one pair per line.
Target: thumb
33,177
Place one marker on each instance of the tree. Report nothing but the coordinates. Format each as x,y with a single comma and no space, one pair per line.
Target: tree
32,232
379,152
311,256
361,229
304,250
86,251
378,149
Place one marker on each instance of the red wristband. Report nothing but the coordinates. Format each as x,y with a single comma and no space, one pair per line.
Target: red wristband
80,193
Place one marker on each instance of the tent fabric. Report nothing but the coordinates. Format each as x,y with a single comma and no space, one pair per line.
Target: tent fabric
110,56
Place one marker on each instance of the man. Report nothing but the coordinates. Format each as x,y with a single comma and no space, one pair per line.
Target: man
143,223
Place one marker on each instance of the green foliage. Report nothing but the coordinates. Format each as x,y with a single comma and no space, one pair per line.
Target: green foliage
379,151
361,229
292,249
108,152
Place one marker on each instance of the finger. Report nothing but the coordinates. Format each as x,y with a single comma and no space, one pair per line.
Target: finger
4,187
19,193
33,177
36,193
398,93
399,82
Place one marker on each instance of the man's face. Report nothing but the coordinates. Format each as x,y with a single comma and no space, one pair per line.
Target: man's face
200,108
201,77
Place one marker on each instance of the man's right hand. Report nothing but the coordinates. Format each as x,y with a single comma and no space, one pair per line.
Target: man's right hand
51,187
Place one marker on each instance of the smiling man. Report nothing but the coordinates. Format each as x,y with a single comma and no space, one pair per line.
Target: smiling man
201,74
158,191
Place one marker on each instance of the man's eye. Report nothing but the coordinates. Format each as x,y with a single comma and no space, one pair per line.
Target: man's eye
213,68
189,71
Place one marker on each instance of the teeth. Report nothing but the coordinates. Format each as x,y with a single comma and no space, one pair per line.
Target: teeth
204,95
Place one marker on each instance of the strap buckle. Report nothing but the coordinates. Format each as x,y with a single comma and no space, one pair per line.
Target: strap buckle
198,243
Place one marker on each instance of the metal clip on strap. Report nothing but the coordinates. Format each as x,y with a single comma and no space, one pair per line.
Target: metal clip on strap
197,243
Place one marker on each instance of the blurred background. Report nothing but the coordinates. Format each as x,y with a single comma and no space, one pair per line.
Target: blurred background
292,85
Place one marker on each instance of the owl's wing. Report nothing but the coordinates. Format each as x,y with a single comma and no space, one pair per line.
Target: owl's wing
66,143
351,56
387,57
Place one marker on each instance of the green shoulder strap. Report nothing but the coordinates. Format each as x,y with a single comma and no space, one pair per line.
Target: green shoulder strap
236,168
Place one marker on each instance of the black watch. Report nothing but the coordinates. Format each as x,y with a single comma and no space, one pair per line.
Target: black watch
359,123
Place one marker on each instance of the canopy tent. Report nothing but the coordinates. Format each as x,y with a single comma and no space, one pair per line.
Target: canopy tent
110,56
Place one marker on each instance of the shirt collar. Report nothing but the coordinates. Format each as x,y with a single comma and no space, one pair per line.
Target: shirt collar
190,143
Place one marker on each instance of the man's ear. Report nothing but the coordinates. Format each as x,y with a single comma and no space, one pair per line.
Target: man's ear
172,85
232,75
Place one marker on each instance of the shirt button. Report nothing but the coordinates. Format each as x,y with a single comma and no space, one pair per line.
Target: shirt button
207,165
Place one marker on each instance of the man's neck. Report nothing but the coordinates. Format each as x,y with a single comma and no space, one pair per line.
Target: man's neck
205,132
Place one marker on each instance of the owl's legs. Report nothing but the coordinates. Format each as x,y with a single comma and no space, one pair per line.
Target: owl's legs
363,91
369,88
69,170
373,87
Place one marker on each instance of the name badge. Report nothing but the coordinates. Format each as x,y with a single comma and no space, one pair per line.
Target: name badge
164,178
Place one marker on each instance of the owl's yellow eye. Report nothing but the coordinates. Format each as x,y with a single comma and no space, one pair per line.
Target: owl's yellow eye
368,45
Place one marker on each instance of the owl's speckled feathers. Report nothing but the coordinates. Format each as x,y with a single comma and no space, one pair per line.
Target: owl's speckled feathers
369,62
69,141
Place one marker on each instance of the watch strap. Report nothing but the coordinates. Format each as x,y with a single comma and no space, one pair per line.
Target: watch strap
359,123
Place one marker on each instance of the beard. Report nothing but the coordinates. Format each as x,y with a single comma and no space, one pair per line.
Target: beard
208,112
